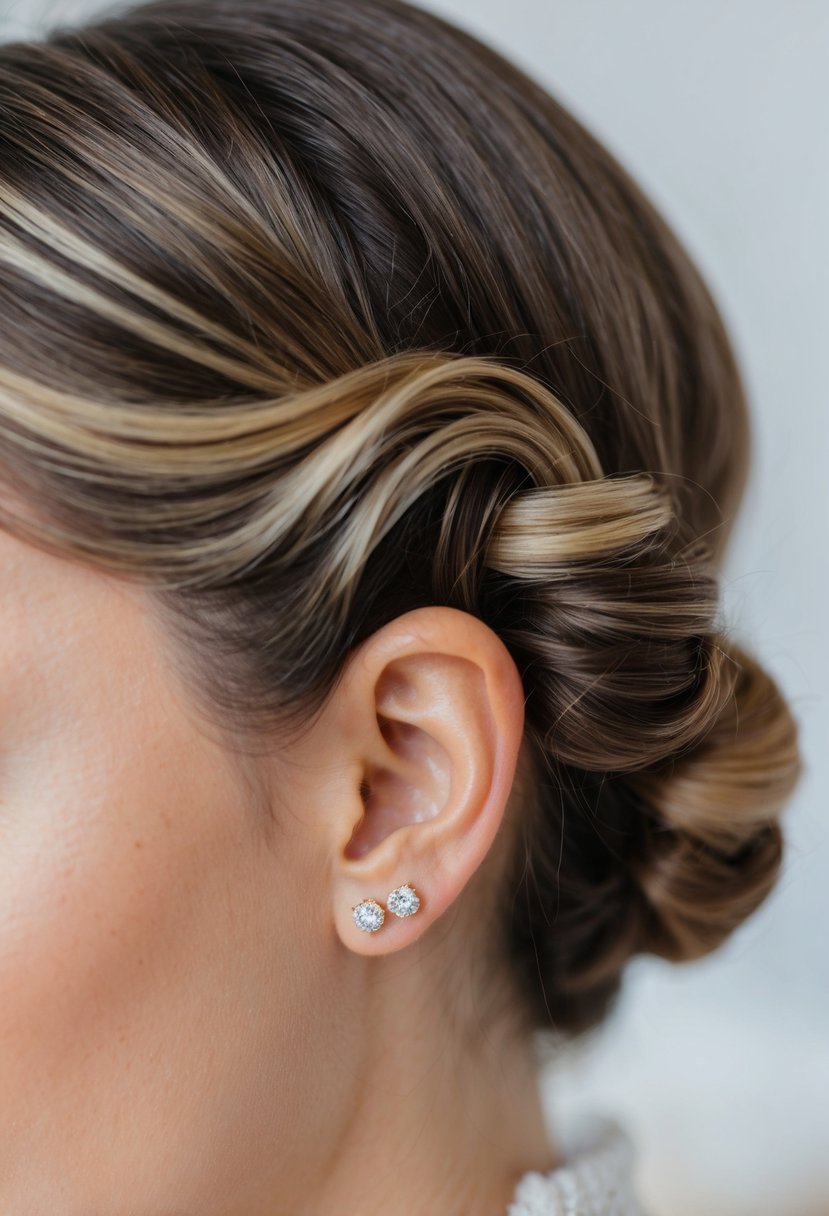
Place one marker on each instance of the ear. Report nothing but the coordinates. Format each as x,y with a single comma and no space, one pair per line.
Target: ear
429,714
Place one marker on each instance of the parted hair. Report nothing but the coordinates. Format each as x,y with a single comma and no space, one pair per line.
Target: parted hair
319,311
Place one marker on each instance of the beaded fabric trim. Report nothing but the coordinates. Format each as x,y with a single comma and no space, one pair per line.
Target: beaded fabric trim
595,1181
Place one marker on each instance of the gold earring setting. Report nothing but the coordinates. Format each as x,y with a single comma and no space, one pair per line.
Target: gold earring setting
369,914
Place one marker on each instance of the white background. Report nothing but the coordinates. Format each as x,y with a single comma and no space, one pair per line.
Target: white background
720,1068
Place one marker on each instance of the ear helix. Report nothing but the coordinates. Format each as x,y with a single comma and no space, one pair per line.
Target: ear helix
369,914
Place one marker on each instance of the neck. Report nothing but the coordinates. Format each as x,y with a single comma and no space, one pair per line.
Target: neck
434,1125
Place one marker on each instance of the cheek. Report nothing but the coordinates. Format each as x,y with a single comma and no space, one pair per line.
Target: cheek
89,905
149,941
117,884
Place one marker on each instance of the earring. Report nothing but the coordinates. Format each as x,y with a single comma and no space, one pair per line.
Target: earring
403,901
368,915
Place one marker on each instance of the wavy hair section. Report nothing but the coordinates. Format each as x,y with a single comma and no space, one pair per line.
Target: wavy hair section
321,312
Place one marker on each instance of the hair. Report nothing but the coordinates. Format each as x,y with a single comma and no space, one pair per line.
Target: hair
319,311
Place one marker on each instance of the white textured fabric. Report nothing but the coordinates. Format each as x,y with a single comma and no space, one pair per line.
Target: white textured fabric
595,1180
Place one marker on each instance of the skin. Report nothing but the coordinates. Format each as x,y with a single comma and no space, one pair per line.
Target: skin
191,1022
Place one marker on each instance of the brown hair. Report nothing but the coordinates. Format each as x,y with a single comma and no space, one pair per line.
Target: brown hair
317,311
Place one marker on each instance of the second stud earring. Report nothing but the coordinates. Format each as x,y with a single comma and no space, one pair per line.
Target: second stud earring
403,901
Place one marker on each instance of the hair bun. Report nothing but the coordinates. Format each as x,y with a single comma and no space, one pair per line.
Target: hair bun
663,751
714,845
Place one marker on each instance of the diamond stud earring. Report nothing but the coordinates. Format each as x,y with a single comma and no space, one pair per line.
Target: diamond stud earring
403,901
368,915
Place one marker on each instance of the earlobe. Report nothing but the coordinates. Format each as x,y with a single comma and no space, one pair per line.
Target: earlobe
435,711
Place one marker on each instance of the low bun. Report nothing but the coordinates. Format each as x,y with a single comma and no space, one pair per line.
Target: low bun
667,859
663,753
715,845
